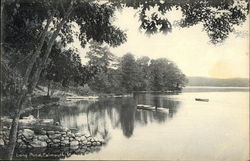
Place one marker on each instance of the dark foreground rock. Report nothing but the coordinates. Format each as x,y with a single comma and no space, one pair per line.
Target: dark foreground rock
35,137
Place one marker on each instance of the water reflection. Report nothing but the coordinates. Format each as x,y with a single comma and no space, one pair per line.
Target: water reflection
100,118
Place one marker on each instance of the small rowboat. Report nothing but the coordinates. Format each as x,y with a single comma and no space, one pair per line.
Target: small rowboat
152,108
201,99
82,98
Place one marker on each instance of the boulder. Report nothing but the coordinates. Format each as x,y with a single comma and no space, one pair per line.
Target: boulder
98,143
1,142
56,140
28,120
74,147
51,132
88,143
19,141
74,143
47,121
63,133
66,142
78,138
83,138
42,132
38,144
78,134
84,142
55,136
28,134
42,137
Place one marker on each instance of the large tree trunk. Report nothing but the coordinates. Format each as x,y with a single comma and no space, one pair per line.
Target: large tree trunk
49,83
22,97
13,136
43,61
35,77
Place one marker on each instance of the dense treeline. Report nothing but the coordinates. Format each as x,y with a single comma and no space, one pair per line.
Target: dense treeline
128,74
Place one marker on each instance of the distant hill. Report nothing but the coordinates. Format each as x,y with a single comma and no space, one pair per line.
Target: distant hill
204,81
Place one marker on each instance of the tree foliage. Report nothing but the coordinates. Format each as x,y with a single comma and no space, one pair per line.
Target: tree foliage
140,74
218,17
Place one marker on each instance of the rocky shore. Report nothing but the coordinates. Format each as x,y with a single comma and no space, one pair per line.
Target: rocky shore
46,134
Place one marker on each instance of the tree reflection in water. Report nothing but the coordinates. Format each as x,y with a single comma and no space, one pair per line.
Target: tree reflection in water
100,118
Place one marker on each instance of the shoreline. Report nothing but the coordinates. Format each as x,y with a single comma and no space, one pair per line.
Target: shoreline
36,134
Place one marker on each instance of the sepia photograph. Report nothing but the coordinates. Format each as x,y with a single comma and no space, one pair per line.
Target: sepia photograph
124,80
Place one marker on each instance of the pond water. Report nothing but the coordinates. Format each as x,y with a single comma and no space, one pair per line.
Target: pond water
191,130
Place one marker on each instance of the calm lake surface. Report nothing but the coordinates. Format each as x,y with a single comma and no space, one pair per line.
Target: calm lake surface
192,130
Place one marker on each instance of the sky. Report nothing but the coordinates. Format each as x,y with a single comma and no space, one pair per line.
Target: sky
189,48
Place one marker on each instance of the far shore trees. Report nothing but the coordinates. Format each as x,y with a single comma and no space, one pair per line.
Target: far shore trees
30,29
140,74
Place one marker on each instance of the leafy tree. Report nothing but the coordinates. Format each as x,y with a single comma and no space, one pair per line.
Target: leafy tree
142,73
99,56
165,76
218,17
128,72
39,24
65,67
106,82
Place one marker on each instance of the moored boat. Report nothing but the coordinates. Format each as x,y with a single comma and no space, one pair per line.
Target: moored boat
152,108
201,99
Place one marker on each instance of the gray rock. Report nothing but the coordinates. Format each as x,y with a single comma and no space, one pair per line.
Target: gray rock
22,145
42,137
19,141
88,143
56,140
47,121
1,142
63,133
78,138
74,143
66,142
38,144
28,134
55,136
83,138
98,143
84,142
69,134
74,147
78,134
43,132
51,132
54,145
